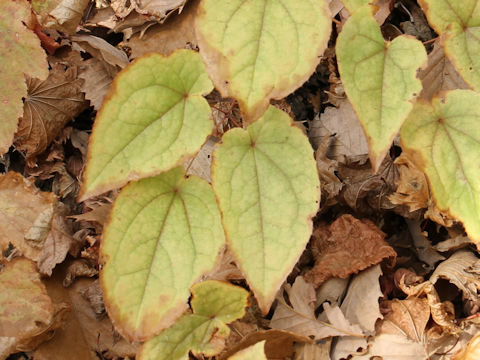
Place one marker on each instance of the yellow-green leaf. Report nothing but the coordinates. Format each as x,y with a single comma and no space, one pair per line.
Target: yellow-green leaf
444,137
267,186
254,352
459,23
153,118
263,49
164,233
352,5
214,305
20,53
379,78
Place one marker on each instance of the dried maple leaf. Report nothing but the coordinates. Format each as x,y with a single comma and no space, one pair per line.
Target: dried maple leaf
345,247
49,106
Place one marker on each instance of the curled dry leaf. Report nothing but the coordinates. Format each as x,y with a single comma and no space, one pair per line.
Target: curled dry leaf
345,247
423,246
49,106
471,351
461,269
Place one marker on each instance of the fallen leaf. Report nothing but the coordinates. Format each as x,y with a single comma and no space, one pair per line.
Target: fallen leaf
342,125
63,15
21,50
394,347
345,247
159,8
49,106
313,351
360,305
405,317
26,213
461,269
471,351
254,352
278,343
299,318
97,79
77,268
423,246
25,307
454,243
84,335
176,32
439,75
101,50
200,164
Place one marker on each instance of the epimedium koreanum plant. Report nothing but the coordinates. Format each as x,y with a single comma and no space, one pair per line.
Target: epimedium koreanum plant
166,230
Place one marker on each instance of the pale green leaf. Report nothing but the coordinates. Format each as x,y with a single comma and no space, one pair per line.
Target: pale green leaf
254,352
379,78
153,118
164,233
21,54
352,5
214,305
267,186
444,139
459,24
263,49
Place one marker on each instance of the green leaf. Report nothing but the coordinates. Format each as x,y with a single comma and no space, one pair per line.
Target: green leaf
459,24
21,54
214,305
267,186
261,50
444,139
154,117
352,5
164,233
379,78
254,352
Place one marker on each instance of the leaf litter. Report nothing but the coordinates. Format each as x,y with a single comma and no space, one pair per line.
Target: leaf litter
386,274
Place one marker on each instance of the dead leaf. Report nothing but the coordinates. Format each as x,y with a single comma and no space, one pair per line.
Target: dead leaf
330,184
97,79
159,8
313,351
394,347
101,50
25,307
332,290
63,15
439,75
78,267
405,317
83,335
300,319
462,270
200,164
345,247
360,305
471,351
341,124
453,243
26,213
278,343
175,33
49,106
423,246
98,213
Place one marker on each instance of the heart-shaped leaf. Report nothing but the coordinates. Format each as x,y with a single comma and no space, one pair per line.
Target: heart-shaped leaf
153,118
164,233
379,78
267,186
214,305
263,49
20,53
444,139
459,24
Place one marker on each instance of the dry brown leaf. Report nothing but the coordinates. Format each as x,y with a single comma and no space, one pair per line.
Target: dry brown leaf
176,33
394,347
26,213
346,247
439,75
405,317
341,124
25,307
360,305
77,268
49,106
63,15
98,212
330,184
454,243
462,270
300,319
83,334
101,50
313,351
471,351
225,268
278,343
159,8
200,164
97,80
423,246
332,290
412,186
